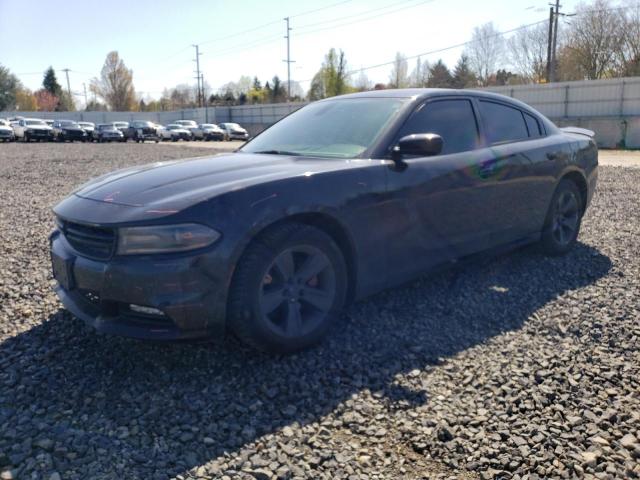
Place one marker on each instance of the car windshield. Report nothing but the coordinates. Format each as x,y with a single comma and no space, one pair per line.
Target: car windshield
68,123
84,124
34,122
334,129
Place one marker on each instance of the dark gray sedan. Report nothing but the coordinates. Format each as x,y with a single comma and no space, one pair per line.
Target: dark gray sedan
343,198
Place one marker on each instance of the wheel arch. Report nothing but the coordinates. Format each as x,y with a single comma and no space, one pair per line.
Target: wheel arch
580,181
330,225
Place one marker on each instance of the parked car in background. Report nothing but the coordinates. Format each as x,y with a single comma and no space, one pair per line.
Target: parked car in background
233,131
186,123
141,130
211,131
88,127
6,132
29,129
68,131
122,126
196,133
49,122
175,132
107,132
317,211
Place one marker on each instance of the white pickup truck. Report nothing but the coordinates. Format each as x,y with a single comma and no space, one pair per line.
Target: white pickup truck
27,129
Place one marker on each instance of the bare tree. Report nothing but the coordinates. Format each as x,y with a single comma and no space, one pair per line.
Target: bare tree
527,50
362,82
115,85
332,79
399,77
593,37
485,50
627,51
420,75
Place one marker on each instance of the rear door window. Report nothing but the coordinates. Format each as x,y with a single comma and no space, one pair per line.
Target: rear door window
453,120
532,125
501,123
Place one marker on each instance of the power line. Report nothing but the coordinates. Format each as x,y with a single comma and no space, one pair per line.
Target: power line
354,15
308,12
439,50
268,24
372,17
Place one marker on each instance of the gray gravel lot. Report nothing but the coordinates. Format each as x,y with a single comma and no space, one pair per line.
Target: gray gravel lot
516,367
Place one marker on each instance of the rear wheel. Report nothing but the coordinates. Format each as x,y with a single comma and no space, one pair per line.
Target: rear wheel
563,220
288,287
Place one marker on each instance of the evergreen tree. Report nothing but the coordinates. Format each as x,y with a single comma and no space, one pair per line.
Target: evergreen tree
50,82
439,76
278,92
257,85
463,76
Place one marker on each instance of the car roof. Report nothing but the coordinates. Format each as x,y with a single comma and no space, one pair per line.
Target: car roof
419,94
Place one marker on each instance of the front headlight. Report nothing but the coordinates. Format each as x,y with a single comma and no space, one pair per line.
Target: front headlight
164,238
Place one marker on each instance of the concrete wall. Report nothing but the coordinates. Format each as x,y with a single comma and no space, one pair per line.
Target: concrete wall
611,108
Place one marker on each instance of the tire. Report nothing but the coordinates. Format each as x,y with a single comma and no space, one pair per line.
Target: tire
269,304
562,224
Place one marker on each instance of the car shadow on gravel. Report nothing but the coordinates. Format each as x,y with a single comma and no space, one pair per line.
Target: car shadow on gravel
105,404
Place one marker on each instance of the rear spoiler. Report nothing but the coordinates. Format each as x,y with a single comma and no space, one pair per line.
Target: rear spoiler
579,131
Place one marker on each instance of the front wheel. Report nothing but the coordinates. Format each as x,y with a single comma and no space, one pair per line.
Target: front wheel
288,287
564,217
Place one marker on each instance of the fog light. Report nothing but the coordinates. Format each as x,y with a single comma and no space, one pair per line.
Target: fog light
146,310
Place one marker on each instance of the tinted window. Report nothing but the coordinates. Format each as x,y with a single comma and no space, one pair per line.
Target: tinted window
453,120
502,123
532,125
339,128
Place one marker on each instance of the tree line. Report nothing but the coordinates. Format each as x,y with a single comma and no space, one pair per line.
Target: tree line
601,40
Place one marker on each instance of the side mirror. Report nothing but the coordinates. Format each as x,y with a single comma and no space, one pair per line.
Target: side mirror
421,144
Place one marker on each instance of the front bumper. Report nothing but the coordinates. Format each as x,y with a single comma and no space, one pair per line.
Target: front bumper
214,135
74,135
184,288
39,134
238,136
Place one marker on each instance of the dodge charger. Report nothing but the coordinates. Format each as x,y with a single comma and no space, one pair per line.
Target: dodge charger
340,199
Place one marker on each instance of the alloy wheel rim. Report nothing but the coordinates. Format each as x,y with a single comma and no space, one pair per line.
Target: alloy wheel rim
297,291
565,219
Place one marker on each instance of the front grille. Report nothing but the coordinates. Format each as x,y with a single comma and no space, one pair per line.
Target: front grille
93,242
39,133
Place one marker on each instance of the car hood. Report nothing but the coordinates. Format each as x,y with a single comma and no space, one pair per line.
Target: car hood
176,185
38,127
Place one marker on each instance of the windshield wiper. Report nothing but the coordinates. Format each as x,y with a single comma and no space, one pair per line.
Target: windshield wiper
277,152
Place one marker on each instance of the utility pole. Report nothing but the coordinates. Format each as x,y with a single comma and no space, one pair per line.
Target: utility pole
549,41
555,42
84,85
66,71
288,60
204,100
198,77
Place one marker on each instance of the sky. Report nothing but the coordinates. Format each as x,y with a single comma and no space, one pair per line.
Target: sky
155,37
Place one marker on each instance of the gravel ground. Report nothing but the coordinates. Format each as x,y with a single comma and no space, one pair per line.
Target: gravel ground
517,367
